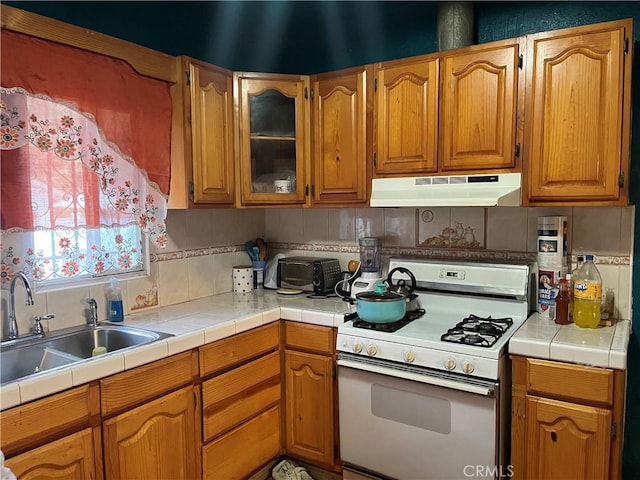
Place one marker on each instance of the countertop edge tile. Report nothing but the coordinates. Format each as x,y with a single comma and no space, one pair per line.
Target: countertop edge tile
580,355
271,315
45,384
317,318
10,396
248,322
529,348
145,354
96,367
187,341
219,331
288,313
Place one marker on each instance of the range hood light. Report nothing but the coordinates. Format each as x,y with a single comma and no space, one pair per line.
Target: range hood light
502,190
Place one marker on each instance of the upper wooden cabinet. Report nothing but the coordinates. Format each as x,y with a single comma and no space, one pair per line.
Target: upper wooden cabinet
209,134
478,107
406,116
273,138
577,115
341,134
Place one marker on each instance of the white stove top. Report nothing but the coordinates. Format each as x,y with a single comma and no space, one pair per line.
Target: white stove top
419,342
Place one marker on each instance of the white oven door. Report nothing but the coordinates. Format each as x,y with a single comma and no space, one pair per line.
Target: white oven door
416,427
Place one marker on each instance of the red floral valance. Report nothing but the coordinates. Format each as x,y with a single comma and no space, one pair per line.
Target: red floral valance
131,110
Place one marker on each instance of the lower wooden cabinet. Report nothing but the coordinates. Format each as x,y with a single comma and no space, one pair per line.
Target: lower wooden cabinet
154,441
566,420
310,414
72,457
241,395
54,437
213,413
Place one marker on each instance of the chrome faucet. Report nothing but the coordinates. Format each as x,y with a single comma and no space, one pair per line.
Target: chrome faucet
93,312
13,324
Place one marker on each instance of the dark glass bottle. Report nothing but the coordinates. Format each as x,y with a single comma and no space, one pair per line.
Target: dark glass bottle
562,303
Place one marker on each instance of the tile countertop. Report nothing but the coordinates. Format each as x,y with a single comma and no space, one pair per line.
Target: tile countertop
599,347
193,324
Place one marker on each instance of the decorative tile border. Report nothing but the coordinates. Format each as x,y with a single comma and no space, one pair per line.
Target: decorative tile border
386,252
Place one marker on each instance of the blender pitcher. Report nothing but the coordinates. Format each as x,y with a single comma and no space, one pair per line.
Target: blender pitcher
370,255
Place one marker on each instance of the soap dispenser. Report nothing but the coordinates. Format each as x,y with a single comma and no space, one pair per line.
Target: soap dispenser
114,295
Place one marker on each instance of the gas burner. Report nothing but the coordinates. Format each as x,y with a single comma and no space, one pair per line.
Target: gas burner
390,327
477,331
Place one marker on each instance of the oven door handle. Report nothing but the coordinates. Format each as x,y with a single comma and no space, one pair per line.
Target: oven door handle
487,390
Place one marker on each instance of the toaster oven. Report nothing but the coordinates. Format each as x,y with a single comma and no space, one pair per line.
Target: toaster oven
310,274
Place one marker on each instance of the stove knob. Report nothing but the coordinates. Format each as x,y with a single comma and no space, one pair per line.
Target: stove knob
372,350
450,364
357,347
467,367
409,356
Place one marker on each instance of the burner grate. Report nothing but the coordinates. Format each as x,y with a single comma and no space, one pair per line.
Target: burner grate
478,331
409,317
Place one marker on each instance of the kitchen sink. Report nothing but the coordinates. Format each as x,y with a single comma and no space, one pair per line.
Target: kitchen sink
25,357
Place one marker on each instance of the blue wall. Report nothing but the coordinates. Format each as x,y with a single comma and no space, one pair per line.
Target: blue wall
312,37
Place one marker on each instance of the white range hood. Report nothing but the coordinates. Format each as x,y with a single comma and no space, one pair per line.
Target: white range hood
502,190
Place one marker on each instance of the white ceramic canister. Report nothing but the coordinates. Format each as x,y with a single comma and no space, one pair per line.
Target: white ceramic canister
242,278
282,186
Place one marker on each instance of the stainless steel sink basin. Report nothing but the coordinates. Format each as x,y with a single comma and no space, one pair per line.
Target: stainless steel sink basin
23,358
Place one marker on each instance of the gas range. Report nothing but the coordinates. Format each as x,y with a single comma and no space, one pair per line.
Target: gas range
471,311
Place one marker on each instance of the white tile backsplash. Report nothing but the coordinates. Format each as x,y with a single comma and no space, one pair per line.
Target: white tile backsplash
200,274
507,229
604,231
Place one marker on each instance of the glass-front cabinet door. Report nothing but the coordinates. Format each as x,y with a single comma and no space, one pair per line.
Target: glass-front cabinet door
274,138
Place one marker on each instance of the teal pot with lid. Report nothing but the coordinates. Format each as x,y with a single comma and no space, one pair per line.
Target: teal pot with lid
380,306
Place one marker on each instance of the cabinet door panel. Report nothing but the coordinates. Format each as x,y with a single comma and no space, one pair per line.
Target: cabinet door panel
574,115
273,138
407,117
70,457
478,123
566,440
340,134
212,135
155,440
238,453
309,406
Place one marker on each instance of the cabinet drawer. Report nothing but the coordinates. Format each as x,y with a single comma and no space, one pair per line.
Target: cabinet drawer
573,382
314,338
235,396
238,349
240,452
35,423
140,384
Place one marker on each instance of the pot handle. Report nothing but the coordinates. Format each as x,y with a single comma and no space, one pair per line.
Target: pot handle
389,280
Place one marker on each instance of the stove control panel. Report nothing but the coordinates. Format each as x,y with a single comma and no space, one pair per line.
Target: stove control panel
474,366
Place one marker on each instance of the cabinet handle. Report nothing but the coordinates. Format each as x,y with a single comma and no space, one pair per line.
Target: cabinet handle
517,150
554,437
375,159
520,61
306,93
306,190
188,78
621,180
